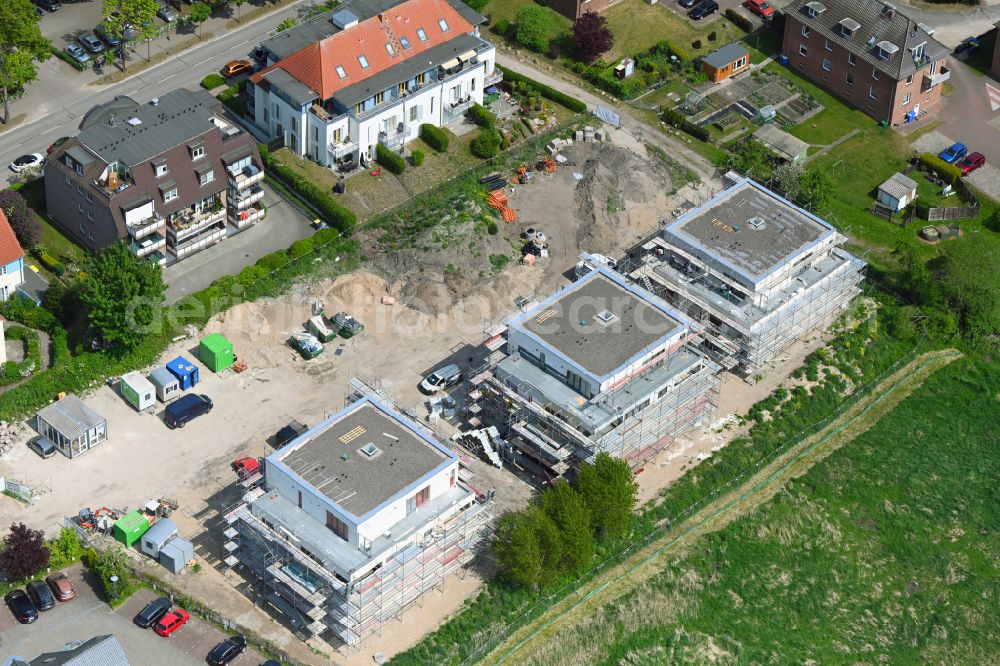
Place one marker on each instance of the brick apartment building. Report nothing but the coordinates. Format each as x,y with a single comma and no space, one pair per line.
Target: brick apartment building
995,69
869,54
574,9
171,176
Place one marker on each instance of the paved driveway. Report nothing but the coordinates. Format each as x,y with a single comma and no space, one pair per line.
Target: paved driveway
283,225
87,616
986,178
74,18
968,116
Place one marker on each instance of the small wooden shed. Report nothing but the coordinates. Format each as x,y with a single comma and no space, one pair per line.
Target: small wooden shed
728,61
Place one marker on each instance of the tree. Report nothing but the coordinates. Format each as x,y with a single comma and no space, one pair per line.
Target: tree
21,217
532,27
112,562
139,15
24,552
200,11
21,47
610,491
968,285
815,188
123,293
239,4
529,548
67,547
591,36
487,144
787,178
572,518
752,159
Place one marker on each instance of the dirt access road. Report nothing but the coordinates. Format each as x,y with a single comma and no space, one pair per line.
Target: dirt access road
538,642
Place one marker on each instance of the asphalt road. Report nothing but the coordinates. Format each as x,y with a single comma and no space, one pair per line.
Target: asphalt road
65,98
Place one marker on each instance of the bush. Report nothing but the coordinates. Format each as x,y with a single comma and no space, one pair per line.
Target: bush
487,144
435,137
213,81
478,5
52,264
712,36
65,57
739,21
679,121
492,229
333,213
949,172
501,27
696,44
417,158
570,103
482,116
532,27
389,159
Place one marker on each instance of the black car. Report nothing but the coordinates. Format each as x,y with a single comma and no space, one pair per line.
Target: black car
152,613
703,9
227,650
185,408
104,32
41,595
288,433
688,4
20,605
50,5
969,44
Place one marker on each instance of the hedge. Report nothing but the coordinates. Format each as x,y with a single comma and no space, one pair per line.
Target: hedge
333,213
213,81
678,120
52,263
435,137
949,172
65,57
389,159
482,116
570,103
741,22
417,157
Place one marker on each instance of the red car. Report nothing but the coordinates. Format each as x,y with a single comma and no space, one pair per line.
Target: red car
171,622
760,8
971,162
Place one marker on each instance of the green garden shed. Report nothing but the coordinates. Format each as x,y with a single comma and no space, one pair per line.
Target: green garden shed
130,528
216,352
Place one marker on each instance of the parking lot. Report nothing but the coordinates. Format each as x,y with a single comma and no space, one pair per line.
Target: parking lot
87,616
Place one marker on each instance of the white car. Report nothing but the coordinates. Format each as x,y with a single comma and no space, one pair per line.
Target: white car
26,162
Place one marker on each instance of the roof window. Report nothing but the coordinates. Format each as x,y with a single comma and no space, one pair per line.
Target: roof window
444,25
421,34
369,450
388,47
404,42
364,61
340,72
606,316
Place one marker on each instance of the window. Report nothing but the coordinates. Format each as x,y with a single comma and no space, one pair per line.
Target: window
826,64
828,47
79,188
300,499
802,49
295,124
918,53
871,92
265,114
207,177
874,73
79,207
909,79
388,47
432,106
79,167
170,194
740,63
90,198
421,34
421,78
851,60
806,31
404,42
364,61
336,525
161,169
850,79
198,152
413,113
337,135
358,108
340,72
90,215
69,181
472,85
906,99
933,69
380,97
444,25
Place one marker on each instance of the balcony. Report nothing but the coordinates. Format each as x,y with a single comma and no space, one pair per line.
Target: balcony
193,223
247,197
246,177
392,139
343,148
143,228
931,80
248,216
493,79
458,107
148,244
204,237
113,183
157,258
325,115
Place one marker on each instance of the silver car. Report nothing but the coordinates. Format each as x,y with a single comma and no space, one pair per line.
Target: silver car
168,14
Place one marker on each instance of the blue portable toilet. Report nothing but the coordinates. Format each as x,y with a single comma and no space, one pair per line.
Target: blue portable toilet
185,371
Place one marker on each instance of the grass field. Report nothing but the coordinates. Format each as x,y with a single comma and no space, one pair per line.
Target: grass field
884,552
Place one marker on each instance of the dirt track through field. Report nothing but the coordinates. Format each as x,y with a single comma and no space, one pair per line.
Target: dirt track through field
757,489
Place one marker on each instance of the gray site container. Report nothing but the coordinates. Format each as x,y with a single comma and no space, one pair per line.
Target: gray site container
176,554
157,536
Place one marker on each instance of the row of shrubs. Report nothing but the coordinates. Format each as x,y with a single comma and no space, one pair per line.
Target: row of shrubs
949,172
741,22
680,121
435,137
67,58
52,263
487,144
389,159
651,67
333,213
213,81
570,103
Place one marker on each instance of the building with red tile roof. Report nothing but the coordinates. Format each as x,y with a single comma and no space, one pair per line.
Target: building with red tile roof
370,72
11,259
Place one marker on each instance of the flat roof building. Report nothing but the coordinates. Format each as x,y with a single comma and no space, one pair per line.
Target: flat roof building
356,518
602,365
756,270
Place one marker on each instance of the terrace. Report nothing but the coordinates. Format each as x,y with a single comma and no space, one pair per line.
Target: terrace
249,175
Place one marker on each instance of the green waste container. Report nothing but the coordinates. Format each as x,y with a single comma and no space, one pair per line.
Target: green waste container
216,352
130,528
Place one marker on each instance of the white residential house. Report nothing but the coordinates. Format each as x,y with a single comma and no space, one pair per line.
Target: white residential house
370,72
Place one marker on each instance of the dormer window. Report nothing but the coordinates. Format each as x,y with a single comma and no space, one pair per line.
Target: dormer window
364,61
886,50
918,52
197,152
340,72
814,9
160,168
444,25
848,27
421,34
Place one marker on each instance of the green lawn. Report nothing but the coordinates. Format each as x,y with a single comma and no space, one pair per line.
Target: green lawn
57,244
834,121
638,25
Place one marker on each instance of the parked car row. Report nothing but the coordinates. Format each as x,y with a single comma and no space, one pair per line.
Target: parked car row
166,621
39,596
959,155
700,8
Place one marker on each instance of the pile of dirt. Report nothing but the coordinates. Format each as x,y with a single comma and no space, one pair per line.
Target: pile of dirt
620,197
